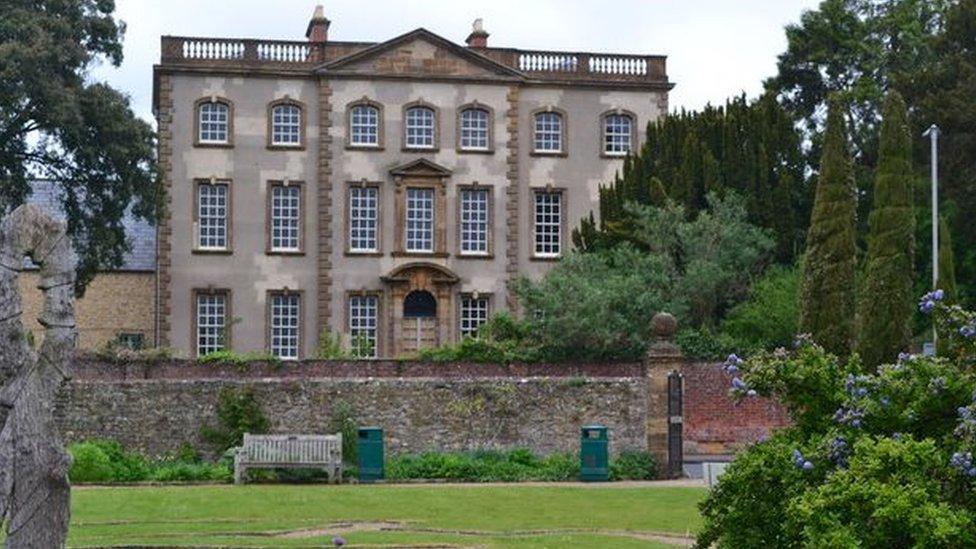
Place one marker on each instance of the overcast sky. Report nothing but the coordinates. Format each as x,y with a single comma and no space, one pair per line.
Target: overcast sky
715,48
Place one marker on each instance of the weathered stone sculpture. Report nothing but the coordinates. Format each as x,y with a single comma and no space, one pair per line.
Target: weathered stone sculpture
34,489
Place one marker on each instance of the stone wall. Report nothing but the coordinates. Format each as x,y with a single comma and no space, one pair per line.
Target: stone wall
115,302
417,413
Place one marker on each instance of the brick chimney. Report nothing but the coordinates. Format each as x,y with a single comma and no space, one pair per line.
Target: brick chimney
318,27
478,37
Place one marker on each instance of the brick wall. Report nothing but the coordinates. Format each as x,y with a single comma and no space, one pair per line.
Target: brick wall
716,424
114,302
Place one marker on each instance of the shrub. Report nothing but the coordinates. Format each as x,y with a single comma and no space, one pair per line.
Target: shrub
343,420
503,339
702,344
237,359
91,463
237,413
768,318
632,465
329,346
514,466
191,472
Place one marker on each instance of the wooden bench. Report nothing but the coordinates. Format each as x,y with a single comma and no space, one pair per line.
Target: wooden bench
289,451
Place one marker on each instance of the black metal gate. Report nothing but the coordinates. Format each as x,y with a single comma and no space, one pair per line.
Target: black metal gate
675,399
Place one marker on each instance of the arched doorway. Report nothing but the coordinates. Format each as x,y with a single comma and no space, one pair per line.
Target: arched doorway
419,321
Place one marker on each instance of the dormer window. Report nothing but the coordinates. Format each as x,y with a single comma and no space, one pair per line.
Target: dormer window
286,128
618,134
549,132
420,128
214,122
365,125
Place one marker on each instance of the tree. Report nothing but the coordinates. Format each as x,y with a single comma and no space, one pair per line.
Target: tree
886,299
83,136
827,288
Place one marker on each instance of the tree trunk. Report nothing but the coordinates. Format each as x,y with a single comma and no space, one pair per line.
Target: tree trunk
34,489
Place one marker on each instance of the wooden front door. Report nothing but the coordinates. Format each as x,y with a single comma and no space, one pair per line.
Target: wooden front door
419,328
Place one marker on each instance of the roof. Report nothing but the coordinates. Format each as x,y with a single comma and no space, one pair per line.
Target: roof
140,234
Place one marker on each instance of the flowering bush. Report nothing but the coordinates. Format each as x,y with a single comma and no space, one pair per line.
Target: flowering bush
874,458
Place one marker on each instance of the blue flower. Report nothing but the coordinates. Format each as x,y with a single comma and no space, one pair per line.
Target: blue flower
738,384
926,306
751,392
938,295
807,466
968,332
885,401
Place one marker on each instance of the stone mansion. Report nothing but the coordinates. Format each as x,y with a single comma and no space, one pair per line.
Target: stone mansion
386,192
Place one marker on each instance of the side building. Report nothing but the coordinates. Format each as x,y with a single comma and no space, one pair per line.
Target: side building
389,192
119,305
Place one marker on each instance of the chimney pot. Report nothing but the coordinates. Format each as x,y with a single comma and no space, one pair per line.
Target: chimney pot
478,37
318,26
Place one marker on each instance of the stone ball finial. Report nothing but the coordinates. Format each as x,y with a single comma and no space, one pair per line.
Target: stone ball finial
664,326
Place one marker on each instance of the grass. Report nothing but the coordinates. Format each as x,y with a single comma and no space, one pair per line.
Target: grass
443,516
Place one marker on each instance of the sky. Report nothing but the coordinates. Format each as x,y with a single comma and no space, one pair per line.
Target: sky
715,48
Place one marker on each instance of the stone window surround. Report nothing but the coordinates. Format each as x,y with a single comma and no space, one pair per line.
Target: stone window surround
491,128
271,184
564,138
302,125
439,185
196,249
380,130
378,185
379,350
603,132
476,186
228,316
474,294
562,222
437,127
301,318
230,122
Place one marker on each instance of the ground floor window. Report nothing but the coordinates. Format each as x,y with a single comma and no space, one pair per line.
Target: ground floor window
211,322
363,320
472,314
284,325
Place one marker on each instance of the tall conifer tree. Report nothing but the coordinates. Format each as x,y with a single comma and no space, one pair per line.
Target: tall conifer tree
827,291
886,301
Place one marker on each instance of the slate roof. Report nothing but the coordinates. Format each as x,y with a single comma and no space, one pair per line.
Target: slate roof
139,233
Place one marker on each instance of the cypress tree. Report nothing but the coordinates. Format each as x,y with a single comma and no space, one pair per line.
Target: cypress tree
886,301
827,291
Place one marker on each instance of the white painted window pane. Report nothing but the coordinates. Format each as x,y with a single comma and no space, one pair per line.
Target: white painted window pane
548,132
213,122
617,136
474,313
212,216
285,218
474,129
363,214
420,127
211,323
474,221
285,321
365,126
363,311
420,220
548,223
286,125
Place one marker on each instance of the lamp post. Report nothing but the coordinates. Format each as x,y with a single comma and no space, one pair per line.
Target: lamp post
933,134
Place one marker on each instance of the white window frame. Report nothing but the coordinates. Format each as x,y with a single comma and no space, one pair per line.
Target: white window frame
211,322
474,226
364,219
547,223
213,120
364,121
474,311
418,234
616,142
286,218
364,312
474,127
213,216
284,325
548,132
286,125
420,127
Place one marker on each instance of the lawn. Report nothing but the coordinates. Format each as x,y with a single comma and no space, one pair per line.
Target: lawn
428,516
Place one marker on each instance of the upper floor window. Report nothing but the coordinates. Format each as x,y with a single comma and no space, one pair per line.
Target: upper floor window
365,125
474,221
284,325
474,125
363,219
212,215
549,132
213,122
420,128
618,134
286,124
285,218
420,220
548,223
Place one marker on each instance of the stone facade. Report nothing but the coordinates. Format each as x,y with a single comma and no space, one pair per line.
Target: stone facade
115,303
327,79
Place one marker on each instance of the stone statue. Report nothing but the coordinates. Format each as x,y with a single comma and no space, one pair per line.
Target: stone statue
34,490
